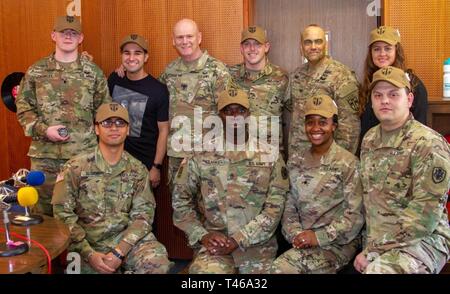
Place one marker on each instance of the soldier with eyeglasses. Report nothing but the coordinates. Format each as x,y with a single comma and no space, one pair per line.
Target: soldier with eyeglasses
104,197
56,104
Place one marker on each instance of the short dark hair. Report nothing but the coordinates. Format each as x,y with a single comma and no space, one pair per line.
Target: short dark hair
335,119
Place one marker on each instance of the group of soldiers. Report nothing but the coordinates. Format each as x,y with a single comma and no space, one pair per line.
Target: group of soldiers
230,202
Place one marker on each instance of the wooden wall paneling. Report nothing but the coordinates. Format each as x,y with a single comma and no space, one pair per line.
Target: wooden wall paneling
425,34
347,21
99,26
221,32
248,9
4,150
158,33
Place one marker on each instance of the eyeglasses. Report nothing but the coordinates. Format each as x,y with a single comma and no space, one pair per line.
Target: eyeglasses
69,33
119,123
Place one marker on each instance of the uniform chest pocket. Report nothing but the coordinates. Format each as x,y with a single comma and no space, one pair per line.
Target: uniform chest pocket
88,85
188,87
257,185
91,196
397,185
125,197
46,95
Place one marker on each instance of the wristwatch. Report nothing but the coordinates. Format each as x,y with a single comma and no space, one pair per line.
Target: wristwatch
157,165
117,254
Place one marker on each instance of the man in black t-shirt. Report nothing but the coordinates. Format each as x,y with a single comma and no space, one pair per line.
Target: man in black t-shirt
147,101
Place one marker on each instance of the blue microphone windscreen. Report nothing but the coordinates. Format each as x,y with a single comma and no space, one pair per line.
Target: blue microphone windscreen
35,178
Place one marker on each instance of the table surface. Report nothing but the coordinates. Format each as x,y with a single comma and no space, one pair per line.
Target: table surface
51,233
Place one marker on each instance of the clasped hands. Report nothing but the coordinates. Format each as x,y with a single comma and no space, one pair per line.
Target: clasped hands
218,244
305,239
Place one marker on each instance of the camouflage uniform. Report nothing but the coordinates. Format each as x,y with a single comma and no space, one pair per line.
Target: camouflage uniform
52,93
326,197
190,86
103,205
335,80
266,92
406,176
240,196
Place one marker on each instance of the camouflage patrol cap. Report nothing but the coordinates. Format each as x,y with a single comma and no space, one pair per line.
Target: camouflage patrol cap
385,34
393,75
322,105
232,95
134,38
254,32
67,22
109,110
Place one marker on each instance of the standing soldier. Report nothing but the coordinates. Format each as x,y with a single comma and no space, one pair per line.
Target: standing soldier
323,212
229,202
264,82
193,81
56,105
405,171
104,197
323,75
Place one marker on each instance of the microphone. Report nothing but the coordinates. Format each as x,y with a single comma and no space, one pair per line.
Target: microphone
35,178
9,191
27,196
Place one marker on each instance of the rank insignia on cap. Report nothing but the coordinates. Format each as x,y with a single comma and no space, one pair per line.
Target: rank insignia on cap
252,29
439,174
133,37
69,18
381,30
317,101
387,71
232,92
114,107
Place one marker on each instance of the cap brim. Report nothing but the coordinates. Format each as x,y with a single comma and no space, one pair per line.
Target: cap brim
390,42
259,41
234,102
325,114
394,83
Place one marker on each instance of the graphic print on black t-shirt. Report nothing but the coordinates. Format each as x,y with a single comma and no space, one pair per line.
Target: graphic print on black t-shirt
135,103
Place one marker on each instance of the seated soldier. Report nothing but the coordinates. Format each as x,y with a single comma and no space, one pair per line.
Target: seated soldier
104,197
229,202
323,215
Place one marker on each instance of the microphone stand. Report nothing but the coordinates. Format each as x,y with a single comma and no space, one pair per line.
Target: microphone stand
10,248
27,219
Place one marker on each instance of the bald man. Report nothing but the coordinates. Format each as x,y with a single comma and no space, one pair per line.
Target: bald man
193,81
323,75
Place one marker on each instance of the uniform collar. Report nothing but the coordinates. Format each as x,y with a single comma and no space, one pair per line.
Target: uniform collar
251,152
326,159
103,166
52,63
394,138
318,72
245,74
194,66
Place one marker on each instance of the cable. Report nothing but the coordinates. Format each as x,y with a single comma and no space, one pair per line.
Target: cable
42,247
